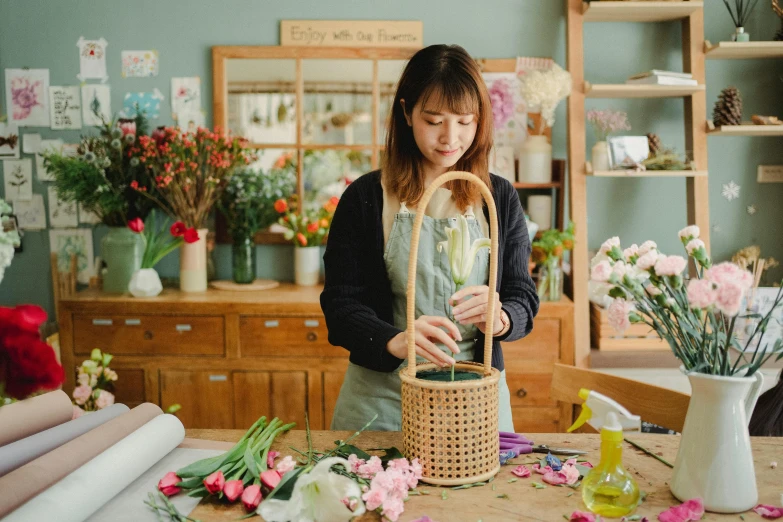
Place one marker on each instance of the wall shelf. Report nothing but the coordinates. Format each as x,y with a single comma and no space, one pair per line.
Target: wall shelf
742,50
642,173
625,11
529,186
746,129
622,90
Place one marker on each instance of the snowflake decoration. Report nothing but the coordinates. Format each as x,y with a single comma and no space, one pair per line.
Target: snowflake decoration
730,191
751,209
716,229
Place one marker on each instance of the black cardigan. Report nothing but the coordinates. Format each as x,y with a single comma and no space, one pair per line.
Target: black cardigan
357,296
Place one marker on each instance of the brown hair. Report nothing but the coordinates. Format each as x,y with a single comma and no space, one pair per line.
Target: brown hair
447,74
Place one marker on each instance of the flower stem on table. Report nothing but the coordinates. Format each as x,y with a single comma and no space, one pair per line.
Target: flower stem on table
648,452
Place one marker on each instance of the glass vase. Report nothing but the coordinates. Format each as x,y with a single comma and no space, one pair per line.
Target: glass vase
243,258
122,251
550,281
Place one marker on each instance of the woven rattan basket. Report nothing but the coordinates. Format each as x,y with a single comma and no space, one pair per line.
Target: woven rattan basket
451,427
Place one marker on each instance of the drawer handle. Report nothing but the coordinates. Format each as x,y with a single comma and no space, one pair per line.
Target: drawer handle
218,378
271,324
521,393
312,336
183,328
102,322
147,335
132,322
312,323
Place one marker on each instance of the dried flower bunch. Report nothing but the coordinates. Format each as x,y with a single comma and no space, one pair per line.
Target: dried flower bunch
607,122
543,90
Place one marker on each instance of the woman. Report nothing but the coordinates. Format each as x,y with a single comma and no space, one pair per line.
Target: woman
441,120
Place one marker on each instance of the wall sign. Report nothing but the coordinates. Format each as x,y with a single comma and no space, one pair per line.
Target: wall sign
351,33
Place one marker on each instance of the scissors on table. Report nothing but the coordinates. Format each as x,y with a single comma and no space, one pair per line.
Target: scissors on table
515,444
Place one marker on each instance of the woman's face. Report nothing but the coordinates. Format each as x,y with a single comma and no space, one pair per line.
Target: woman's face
442,137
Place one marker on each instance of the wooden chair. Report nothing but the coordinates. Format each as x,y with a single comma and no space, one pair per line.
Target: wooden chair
63,283
653,404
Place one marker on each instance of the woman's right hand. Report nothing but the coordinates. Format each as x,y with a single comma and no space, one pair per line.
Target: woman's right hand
428,332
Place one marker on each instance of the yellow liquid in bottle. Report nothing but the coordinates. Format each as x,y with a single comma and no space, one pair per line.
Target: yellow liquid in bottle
608,490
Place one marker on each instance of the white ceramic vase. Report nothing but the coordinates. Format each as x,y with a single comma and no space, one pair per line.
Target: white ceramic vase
193,264
714,461
145,282
600,156
307,265
535,160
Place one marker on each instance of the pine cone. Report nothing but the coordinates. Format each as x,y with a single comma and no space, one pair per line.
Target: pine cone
655,143
728,108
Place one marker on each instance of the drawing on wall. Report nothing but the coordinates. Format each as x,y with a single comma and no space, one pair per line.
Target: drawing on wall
185,95
18,179
46,146
148,103
65,107
65,242
31,215
27,96
96,101
141,64
190,121
9,141
62,214
30,143
502,163
88,218
92,59
508,110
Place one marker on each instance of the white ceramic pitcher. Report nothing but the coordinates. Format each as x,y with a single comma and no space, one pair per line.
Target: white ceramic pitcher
715,462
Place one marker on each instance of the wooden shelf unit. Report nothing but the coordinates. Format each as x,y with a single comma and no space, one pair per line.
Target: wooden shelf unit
742,50
622,90
625,11
690,14
746,129
642,173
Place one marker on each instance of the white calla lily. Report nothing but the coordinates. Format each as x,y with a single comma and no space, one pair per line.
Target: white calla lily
460,251
317,497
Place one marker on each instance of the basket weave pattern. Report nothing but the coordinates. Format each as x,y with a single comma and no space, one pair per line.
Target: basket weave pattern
451,427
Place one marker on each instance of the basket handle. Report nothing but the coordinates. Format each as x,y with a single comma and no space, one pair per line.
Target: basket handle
413,259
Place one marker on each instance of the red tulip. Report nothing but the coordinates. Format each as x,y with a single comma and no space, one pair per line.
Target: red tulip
270,478
281,206
233,489
178,229
168,484
312,227
137,225
215,482
251,497
191,235
301,238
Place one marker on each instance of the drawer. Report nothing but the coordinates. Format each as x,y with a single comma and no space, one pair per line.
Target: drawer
129,387
285,336
530,389
536,420
149,334
543,342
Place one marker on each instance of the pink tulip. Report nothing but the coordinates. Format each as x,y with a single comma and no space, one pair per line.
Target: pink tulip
270,478
233,489
168,484
215,482
251,497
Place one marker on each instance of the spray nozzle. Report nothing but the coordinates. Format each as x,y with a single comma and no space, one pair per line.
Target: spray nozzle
601,412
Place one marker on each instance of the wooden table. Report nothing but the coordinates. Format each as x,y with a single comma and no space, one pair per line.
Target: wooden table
524,502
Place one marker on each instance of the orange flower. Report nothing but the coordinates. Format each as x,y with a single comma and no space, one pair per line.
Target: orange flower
281,206
312,228
324,223
301,238
331,205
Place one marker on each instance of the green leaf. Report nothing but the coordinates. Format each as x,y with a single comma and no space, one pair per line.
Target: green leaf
511,480
538,485
347,449
444,495
285,488
504,495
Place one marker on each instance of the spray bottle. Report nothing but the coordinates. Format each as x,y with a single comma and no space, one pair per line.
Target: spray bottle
608,489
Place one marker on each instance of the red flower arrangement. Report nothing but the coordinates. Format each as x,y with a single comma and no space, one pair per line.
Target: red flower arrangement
308,228
27,364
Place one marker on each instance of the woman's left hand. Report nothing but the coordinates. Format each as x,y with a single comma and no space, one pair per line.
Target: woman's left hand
474,309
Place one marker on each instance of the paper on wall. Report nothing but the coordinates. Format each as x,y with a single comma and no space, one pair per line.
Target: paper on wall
92,59
30,143
140,64
96,98
147,103
31,215
510,113
88,218
67,241
185,95
189,121
18,179
46,146
61,214
27,97
9,141
65,107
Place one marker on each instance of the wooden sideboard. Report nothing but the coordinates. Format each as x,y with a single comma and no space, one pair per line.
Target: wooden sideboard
230,357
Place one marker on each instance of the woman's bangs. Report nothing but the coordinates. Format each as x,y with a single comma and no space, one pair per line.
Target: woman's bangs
455,97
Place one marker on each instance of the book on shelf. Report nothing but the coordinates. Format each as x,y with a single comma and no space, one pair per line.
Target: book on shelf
661,80
660,72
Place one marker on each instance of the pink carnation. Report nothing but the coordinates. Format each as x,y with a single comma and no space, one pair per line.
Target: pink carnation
374,498
647,260
77,412
694,245
285,465
81,394
631,251
355,462
521,471
689,232
687,511
619,270
618,315
104,400
701,293
768,512
729,272
541,471
729,298
601,272
610,243
581,516
670,265
369,469
393,508
647,246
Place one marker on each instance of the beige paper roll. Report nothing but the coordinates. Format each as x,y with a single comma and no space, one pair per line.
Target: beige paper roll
30,416
24,483
539,208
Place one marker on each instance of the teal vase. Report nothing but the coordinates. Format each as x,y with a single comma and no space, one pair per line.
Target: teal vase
122,251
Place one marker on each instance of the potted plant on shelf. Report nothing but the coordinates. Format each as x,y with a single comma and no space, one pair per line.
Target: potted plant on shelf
697,318
547,253
100,178
542,90
307,229
186,173
249,206
605,123
159,241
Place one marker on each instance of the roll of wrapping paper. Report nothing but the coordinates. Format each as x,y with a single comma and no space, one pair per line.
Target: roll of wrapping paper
24,483
84,491
24,418
23,451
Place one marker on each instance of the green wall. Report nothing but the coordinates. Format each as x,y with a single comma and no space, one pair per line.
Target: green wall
43,34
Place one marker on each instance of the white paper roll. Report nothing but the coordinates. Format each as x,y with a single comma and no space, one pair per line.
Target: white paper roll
84,491
539,208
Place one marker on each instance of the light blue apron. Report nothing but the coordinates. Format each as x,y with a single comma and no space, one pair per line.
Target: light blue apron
366,392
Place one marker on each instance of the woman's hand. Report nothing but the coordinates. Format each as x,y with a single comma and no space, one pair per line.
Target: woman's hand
428,333
474,309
